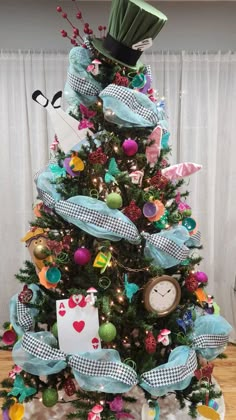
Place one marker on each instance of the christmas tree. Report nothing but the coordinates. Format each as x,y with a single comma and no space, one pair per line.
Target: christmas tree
113,306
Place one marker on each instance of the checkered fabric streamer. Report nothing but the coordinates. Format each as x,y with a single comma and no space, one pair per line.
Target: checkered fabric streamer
46,198
205,341
148,71
196,237
127,97
41,350
123,229
24,318
117,371
168,246
162,377
82,86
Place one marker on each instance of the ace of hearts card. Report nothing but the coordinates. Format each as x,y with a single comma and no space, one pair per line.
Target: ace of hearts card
77,323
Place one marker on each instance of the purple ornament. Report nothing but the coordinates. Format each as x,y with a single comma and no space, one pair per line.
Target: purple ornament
68,169
82,256
5,415
130,147
149,210
201,277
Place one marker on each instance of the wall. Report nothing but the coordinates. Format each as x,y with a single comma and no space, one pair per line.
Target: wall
31,24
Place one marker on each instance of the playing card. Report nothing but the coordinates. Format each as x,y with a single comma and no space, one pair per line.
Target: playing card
77,322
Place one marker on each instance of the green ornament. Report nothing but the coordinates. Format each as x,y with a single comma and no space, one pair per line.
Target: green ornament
107,332
114,201
55,330
162,222
139,81
50,397
187,212
189,223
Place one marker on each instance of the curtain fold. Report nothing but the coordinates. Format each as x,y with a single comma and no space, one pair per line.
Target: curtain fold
200,93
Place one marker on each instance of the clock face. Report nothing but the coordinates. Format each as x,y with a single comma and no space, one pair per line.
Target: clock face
162,295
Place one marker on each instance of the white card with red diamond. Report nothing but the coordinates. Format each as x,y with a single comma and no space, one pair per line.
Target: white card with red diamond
77,324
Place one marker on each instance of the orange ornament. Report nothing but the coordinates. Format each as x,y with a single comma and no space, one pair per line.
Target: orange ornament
43,280
160,211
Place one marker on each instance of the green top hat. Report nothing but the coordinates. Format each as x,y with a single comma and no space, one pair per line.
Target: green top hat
131,22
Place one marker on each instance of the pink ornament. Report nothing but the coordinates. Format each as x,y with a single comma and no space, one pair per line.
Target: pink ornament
82,256
9,337
181,170
85,124
94,414
153,151
201,277
163,337
130,147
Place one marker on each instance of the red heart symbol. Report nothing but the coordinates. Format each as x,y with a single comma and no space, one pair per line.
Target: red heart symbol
79,326
95,342
62,312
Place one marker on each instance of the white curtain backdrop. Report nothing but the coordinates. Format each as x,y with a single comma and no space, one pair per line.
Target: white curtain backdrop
200,92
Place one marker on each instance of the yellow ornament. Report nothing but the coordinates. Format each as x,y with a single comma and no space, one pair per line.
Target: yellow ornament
16,411
102,260
208,412
76,164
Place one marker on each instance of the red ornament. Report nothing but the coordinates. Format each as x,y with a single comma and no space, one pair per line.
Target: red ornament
204,372
159,181
191,283
150,343
59,9
133,212
120,80
69,387
97,157
79,15
26,295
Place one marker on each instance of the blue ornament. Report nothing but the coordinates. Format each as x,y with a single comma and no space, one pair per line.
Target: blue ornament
185,322
165,140
53,275
130,288
113,170
57,171
19,389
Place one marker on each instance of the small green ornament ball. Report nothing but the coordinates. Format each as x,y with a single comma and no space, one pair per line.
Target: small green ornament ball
107,332
54,330
50,397
114,201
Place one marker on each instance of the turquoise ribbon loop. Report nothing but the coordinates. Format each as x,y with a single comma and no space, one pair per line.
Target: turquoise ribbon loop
94,371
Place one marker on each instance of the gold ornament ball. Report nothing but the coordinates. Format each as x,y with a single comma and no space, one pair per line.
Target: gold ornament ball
40,252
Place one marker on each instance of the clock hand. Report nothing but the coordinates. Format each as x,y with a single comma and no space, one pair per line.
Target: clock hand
168,291
155,290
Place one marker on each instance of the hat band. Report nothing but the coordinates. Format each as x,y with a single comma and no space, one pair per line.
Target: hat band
120,51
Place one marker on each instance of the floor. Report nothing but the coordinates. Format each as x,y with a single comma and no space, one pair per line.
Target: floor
224,372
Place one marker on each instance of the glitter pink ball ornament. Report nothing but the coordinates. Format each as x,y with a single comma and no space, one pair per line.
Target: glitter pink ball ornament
130,147
201,277
82,256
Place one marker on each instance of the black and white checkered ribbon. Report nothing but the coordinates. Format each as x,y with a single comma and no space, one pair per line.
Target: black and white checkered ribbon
127,97
24,318
117,371
166,245
82,86
163,377
205,341
67,209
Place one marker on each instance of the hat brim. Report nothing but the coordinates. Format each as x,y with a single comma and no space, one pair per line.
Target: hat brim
98,45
